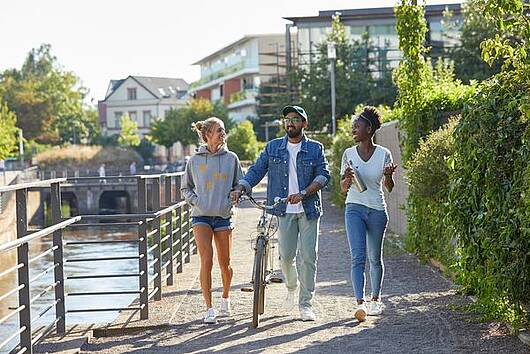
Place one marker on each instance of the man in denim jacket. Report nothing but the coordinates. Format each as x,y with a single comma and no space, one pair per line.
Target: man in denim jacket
297,169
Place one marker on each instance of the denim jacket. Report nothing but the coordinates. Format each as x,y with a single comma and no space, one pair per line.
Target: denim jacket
311,165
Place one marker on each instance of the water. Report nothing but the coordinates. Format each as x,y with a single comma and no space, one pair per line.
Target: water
75,285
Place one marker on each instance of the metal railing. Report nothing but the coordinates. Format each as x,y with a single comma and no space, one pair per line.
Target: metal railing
164,233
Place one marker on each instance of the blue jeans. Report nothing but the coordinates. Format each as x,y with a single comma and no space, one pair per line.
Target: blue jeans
365,228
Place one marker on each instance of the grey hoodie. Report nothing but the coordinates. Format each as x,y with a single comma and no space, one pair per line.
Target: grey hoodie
208,180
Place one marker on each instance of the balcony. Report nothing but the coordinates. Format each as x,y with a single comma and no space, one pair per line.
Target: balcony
243,98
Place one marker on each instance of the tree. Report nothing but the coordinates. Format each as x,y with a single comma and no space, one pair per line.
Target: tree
128,132
354,81
243,142
83,128
476,28
176,126
8,131
40,93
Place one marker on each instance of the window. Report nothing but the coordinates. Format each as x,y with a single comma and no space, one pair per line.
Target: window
147,118
221,90
131,94
117,118
132,115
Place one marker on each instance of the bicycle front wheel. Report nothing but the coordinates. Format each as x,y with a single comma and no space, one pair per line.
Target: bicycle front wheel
259,281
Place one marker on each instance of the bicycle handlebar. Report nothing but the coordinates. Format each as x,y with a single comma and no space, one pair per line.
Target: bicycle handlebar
277,201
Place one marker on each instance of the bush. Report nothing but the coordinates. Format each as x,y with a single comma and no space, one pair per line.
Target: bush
84,156
488,203
243,142
428,174
341,142
446,97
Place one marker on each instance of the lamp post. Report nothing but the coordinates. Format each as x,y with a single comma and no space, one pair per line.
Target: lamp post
266,125
332,55
21,148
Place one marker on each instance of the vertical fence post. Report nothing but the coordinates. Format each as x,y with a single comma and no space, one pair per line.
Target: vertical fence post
60,306
179,225
169,229
142,249
156,240
187,232
23,272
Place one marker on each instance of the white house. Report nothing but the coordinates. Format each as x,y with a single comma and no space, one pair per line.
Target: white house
143,98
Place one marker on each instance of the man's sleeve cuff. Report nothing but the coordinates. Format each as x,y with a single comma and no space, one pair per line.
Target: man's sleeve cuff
322,180
245,184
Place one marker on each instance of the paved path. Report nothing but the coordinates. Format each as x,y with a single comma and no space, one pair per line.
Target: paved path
423,314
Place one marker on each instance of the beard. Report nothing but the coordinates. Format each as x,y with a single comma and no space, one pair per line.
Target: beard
293,132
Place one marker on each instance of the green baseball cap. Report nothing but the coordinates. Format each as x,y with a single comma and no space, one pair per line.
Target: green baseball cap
295,109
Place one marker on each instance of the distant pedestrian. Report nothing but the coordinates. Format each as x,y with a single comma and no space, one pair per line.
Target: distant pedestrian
132,168
208,179
101,170
365,168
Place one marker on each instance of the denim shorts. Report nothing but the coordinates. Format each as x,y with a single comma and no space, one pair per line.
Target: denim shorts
216,223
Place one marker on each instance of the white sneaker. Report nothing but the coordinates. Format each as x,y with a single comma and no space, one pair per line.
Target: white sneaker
290,301
225,306
211,316
360,312
375,308
307,313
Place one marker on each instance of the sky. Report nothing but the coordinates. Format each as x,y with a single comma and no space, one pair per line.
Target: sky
103,40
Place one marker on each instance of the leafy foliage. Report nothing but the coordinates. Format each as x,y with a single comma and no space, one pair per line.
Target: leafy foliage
8,131
428,174
243,142
45,98
488,212
469,200
354,82
510,43
128,132
176,126
475,29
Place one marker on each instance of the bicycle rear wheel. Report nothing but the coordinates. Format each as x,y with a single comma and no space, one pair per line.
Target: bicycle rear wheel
259,281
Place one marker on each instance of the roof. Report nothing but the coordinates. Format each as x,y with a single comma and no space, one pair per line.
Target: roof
379,12
233,44
160,87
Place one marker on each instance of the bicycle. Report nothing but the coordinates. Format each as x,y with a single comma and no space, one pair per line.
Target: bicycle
261,273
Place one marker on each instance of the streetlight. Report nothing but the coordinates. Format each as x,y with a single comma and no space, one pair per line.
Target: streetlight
267,124
332,55
21,148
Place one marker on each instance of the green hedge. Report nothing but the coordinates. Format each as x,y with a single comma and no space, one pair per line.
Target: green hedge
489,197
428,174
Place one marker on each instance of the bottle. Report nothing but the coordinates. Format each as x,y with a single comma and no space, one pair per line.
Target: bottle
357,181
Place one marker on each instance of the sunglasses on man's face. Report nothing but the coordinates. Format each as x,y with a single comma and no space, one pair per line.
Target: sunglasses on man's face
292,120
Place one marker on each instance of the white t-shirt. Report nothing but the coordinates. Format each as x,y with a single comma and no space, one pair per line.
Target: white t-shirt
371,173
293,149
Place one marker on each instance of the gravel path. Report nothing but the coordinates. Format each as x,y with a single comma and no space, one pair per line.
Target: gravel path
423,313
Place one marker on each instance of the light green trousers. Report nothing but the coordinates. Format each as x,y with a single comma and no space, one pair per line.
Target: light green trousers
297,233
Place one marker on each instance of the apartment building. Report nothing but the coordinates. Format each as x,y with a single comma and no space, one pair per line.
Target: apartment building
379,24
234,73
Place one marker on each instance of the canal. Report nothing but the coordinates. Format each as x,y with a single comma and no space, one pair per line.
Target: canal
94,250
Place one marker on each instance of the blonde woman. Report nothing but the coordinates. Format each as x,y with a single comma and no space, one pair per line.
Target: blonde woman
209,177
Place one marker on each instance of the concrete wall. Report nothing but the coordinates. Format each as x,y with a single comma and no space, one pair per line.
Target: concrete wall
388,136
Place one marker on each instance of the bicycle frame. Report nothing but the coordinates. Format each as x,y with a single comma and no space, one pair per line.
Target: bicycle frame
261,274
